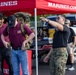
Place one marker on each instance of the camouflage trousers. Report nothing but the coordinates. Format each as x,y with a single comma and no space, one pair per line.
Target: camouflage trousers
58,61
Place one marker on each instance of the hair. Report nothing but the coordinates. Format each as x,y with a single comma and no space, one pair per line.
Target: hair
25,16
5,20
67,21
62,15
1,16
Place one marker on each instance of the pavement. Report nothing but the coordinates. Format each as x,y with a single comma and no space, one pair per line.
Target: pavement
43,69
71,72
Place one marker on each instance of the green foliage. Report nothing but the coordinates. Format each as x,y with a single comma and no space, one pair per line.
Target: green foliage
38,17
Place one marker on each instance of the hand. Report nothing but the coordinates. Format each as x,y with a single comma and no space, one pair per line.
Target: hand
23,46
6,44
44,19
46,59
72,45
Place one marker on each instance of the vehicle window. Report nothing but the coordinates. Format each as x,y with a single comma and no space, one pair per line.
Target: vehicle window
71,18
49,26
73,23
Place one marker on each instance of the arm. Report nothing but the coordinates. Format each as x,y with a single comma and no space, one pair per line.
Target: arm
48,55
74,40
50,52
53,23
74,37
30,37
29,32
6,44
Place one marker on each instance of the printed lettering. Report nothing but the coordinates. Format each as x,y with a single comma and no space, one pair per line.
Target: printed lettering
55,5
9,3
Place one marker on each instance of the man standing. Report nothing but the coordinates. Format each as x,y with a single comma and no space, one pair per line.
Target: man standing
18,42
58,56
5,52
71,45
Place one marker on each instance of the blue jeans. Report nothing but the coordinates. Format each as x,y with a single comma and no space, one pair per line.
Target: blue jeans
19,57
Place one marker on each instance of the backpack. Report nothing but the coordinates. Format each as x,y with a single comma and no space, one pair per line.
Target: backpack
27,46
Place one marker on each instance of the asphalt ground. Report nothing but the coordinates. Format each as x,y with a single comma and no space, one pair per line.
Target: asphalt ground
43,69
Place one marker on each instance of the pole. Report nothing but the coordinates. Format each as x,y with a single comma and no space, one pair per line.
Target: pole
36,46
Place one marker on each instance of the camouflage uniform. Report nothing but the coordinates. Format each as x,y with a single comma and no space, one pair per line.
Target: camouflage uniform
58,61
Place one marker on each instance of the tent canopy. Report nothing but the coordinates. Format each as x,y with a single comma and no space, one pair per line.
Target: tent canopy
43,6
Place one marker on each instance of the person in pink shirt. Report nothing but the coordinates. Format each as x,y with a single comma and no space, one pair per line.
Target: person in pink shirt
5,52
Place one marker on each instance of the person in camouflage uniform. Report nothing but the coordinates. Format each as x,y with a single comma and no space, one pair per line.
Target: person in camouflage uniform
58,54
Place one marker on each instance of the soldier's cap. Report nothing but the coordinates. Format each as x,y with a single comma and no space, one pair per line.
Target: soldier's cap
67,21
11,20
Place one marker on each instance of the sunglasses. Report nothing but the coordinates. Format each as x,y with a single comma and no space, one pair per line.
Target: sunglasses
58,18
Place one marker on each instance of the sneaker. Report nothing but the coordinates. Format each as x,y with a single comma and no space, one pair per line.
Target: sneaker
71,69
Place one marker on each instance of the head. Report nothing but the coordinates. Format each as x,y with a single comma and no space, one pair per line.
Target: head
1,19
22,17
12,21
67,22
60,19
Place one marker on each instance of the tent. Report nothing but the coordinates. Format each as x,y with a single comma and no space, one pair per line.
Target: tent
42,6
38,7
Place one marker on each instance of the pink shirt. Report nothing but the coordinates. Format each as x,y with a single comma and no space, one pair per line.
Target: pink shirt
6,38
